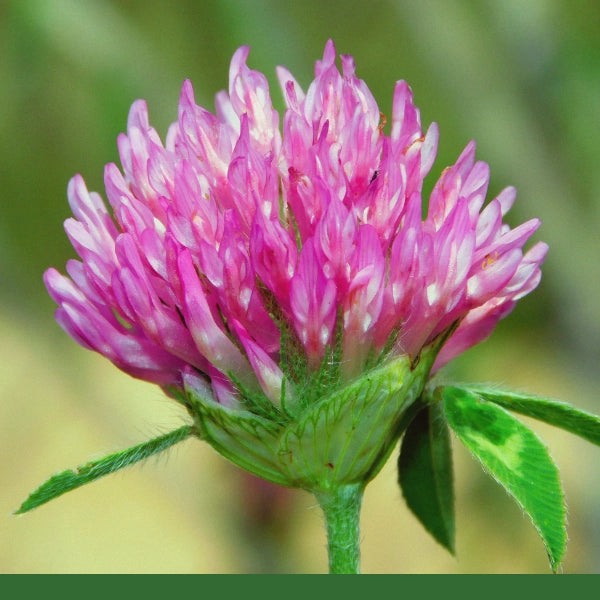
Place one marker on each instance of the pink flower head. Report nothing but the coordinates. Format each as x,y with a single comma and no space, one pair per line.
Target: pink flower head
235,243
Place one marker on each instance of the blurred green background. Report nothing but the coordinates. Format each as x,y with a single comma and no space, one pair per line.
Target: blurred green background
522,78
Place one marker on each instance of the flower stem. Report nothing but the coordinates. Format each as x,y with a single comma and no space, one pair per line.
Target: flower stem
342,514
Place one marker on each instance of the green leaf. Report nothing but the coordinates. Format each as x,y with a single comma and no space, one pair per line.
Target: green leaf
559,414
69,480
513,455
425,474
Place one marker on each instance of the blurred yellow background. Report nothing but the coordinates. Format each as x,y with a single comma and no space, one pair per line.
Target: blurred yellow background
522,78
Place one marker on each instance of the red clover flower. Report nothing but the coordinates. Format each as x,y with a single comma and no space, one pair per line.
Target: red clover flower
232,230
284,285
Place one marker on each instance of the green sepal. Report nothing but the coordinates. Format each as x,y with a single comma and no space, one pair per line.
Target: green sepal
347,436
246,439
516,458
257,403
425,473
553,412
69,480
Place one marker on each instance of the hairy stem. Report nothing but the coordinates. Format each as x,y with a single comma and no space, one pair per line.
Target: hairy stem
341,507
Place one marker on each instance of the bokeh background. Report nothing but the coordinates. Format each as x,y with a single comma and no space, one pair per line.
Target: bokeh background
522,78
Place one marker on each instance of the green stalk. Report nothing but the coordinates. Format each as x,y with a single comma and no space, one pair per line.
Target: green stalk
341,507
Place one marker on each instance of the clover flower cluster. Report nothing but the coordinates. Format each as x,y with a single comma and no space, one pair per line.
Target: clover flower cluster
234,230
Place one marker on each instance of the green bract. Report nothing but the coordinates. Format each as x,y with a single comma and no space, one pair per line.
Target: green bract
343,438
